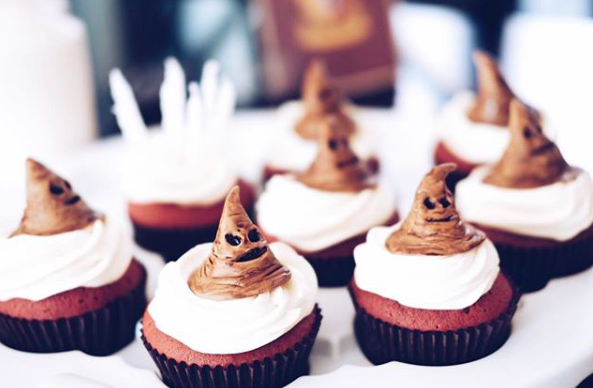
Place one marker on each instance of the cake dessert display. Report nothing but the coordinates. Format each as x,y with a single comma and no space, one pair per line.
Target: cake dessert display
535,207
238,312
473,127
429,289
325,211
293,141
67,277
176,177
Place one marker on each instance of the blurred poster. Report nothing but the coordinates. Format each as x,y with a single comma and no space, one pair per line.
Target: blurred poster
352,37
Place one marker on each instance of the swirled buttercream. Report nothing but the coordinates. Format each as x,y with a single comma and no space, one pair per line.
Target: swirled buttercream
473,142
422,281
311,219
558,211
154,172
236,325
37,267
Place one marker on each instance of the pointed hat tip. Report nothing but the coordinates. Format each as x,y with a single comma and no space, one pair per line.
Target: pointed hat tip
442,170
519,113
234,194
483,58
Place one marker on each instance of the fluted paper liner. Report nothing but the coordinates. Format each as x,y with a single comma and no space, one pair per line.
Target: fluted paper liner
275,372
382,342
531,268
98,333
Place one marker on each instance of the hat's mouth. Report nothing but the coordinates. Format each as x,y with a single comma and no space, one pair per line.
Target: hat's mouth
543,148
347,163
446,219
252,254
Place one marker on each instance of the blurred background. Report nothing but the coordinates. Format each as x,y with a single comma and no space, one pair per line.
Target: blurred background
411,54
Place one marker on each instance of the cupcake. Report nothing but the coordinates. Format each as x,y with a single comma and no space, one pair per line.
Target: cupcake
67,277
536,208
429,290
238,312
176,177
293,144
326,211
473,128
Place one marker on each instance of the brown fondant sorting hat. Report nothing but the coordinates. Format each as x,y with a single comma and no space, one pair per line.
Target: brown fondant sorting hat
531,159
321,97
433,226
494,95
336,167
240,264
52,206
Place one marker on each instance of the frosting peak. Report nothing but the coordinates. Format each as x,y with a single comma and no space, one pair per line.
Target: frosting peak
494,95
320,97
531,159
433,226
240,264
336,167
53,207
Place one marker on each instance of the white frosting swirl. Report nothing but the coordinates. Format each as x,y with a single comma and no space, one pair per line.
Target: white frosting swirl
425,282
231,326
155,173
288,151
559,211
37,267
311,219
476,143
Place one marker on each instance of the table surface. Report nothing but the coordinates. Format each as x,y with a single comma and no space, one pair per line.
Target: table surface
551,345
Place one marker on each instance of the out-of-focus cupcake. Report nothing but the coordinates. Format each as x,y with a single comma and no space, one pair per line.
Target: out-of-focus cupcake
293,141
326,211
67,277
429,290
238,312
176,177
536,208
473,128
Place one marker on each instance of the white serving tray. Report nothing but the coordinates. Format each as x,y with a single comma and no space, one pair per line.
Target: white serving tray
551,345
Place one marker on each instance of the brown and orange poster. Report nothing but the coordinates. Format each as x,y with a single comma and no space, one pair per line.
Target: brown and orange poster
352,37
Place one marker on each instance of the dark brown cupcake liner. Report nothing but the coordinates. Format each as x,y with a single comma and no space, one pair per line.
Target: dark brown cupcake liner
332,271
172,243
382,342
98,333
275,372
531,268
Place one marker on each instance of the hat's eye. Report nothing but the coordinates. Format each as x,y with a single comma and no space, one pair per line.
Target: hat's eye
325,94
55,189
232,239
72,201
527,133
253,236
429,204
445,202
332,144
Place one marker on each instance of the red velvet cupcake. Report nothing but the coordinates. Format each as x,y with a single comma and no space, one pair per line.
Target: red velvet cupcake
429,290
536,208
176,177
235,313
293,143
326,211
67,278
473,127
